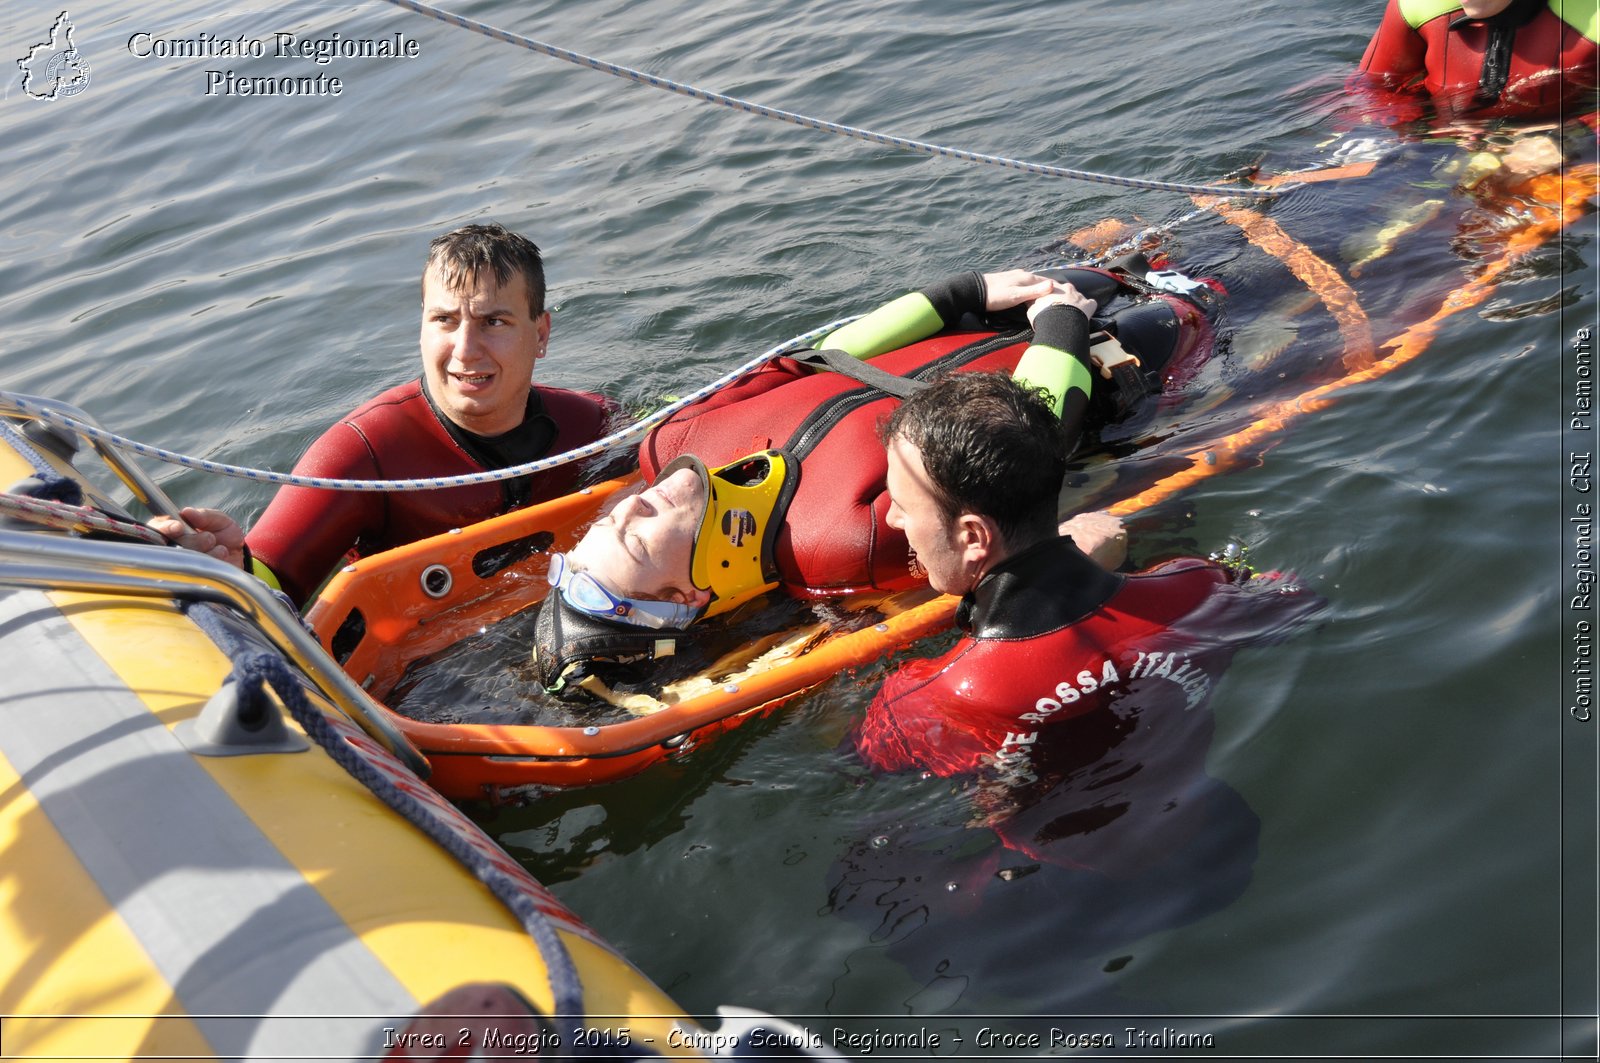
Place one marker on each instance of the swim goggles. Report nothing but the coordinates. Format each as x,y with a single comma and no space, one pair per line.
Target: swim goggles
588,595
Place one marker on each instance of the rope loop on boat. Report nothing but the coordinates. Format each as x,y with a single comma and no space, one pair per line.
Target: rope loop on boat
79,518
854,133
54,487
253,667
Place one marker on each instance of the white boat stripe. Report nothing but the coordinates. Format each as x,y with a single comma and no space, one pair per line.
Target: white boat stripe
234,928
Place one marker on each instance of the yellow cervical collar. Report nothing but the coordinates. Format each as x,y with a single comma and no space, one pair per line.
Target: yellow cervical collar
746,503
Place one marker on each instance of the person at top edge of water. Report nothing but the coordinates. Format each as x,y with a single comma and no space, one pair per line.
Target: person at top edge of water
475,408
801,501
1483,59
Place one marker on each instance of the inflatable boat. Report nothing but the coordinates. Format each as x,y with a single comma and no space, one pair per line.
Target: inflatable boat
216,846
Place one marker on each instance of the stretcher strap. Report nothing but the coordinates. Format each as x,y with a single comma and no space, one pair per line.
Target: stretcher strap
846,364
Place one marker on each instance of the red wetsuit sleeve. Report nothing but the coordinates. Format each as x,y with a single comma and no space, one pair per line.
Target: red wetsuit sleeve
908,726
1386,88
1396,54
306,530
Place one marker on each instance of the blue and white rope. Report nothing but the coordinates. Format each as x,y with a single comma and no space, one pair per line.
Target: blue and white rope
904,144
23,404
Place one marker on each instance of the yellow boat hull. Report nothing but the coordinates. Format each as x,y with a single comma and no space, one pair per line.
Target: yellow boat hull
160,902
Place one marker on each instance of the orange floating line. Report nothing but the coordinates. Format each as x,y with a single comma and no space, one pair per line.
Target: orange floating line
1312,271
1568,196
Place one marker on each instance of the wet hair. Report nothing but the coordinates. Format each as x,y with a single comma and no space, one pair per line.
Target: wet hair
991,446
463,255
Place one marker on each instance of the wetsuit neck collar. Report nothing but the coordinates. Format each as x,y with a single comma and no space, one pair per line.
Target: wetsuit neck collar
1516,14
1044,588
531,438
528,441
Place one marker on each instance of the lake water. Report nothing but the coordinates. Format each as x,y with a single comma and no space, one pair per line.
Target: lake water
224,275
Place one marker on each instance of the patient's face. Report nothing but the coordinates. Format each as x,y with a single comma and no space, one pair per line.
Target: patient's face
642,548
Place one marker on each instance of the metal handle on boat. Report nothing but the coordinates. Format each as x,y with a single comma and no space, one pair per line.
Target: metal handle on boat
147,491
49,562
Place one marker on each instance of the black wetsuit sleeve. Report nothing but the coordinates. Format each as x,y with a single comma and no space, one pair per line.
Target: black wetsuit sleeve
912,317
957,295
1058,362
1065,328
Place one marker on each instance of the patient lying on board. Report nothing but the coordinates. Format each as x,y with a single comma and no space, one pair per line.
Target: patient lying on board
801,502
626,594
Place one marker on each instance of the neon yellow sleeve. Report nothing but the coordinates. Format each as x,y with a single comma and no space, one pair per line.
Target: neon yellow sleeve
905,320
264,574
1581,15
1055,371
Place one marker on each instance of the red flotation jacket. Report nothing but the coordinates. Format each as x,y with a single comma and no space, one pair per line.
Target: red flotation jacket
835,538
398,435
1536,59
804,441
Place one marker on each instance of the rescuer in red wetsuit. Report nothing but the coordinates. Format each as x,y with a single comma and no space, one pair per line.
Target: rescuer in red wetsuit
402,435
699,540
474,409
1067,730
1486,58
1054,646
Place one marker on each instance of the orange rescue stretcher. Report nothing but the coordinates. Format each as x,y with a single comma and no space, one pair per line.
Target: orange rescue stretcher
381,613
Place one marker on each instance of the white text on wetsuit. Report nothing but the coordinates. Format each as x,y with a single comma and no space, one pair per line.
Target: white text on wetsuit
1013,760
